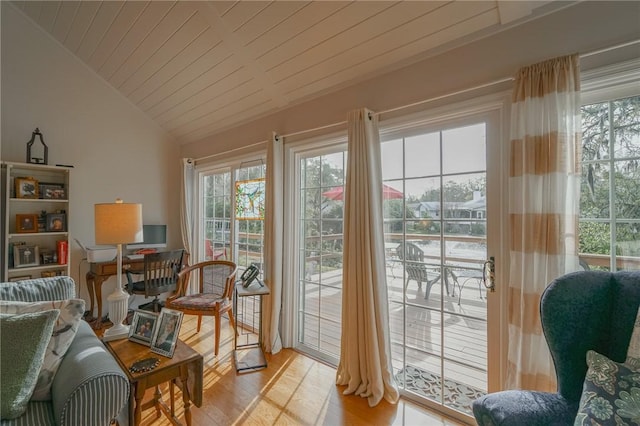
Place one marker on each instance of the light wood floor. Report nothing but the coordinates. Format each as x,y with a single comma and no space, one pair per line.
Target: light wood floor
293,390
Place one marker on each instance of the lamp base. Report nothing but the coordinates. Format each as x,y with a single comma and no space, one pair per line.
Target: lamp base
116,332
118,306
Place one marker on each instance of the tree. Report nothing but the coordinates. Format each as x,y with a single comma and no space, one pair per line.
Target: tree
610,131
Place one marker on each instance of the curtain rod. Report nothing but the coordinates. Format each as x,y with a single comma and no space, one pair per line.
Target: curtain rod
459,92
206,157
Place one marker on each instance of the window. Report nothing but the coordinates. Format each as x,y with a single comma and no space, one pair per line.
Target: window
610,191
249,235
320,220
216,215
222,229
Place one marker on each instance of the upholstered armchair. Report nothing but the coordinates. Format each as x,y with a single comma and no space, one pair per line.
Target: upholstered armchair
581,311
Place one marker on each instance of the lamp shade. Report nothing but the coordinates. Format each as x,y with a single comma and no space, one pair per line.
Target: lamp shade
118,223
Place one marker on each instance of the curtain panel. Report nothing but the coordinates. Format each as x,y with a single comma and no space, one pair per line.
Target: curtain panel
186,209
544,185
365,348
273,244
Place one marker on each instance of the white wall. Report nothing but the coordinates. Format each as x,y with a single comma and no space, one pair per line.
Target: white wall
584,27
115,149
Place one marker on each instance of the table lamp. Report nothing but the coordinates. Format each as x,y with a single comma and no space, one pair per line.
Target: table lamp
118,223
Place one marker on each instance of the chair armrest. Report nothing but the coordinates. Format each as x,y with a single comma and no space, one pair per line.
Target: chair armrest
516,408
88,377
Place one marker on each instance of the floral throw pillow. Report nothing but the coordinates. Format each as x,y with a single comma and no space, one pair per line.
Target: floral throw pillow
64,331
610,395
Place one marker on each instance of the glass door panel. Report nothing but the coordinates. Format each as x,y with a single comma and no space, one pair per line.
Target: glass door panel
435,241
320,254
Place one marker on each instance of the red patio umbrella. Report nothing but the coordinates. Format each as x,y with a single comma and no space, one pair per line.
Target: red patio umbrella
388,193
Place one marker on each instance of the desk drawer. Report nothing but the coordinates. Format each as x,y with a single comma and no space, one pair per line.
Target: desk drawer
111,268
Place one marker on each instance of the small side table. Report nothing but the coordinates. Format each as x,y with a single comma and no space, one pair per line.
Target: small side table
186,365
248,354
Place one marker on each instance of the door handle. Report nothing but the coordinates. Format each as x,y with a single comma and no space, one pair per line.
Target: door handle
489,274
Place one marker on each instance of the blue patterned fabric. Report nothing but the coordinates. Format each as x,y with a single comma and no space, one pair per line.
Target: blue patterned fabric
611,394
89,388
580,311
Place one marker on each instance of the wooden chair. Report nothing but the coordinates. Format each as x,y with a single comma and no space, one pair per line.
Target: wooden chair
160,275
215,282
416,269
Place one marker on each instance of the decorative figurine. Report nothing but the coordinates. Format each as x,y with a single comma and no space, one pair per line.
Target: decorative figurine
37,156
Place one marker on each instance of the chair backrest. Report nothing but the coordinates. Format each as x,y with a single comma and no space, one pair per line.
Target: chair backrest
213,277
414,261
161,271
588,310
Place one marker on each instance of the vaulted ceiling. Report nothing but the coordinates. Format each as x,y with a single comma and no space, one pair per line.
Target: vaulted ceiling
201,67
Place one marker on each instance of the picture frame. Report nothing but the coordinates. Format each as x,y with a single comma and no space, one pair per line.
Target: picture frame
25,255
142,327
26,223
19,278
165,335
56,222
46,257
26,187
52,191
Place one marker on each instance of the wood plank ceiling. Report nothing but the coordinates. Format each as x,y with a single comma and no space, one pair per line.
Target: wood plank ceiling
201,67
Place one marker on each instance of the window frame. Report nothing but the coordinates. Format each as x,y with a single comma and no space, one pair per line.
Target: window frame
608,84
210,168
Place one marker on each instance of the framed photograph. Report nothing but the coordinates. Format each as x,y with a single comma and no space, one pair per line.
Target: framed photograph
52,191
20,278
26,187
26,223
142,327
25,255
56,222
46,257
165,335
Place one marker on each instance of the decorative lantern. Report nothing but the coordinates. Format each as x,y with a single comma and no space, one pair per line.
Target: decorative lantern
35,154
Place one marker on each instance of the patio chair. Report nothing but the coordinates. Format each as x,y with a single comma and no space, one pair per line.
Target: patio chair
416,269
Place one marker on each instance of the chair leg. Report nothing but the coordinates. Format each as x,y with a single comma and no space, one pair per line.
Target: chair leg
429,285
216,318
199,323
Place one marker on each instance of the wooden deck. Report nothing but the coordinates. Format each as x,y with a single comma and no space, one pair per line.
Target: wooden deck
423,332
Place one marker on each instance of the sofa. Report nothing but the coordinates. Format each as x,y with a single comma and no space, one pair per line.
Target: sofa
88,388
582,313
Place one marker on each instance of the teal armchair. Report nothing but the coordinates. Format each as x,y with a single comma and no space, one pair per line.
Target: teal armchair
579,311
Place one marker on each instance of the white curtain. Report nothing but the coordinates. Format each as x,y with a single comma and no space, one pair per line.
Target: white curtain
186,207
544,185
273,244
365,349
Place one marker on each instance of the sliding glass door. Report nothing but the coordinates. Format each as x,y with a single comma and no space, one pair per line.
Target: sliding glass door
436,220
438,205
319,283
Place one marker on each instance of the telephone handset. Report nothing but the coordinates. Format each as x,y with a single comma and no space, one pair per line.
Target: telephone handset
249,274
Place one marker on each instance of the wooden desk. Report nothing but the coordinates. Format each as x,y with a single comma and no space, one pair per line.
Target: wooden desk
99,273
186,366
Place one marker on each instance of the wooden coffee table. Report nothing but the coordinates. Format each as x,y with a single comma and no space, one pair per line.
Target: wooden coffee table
184,368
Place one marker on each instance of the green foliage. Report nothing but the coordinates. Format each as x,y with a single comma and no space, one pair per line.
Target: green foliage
594,238
610,131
